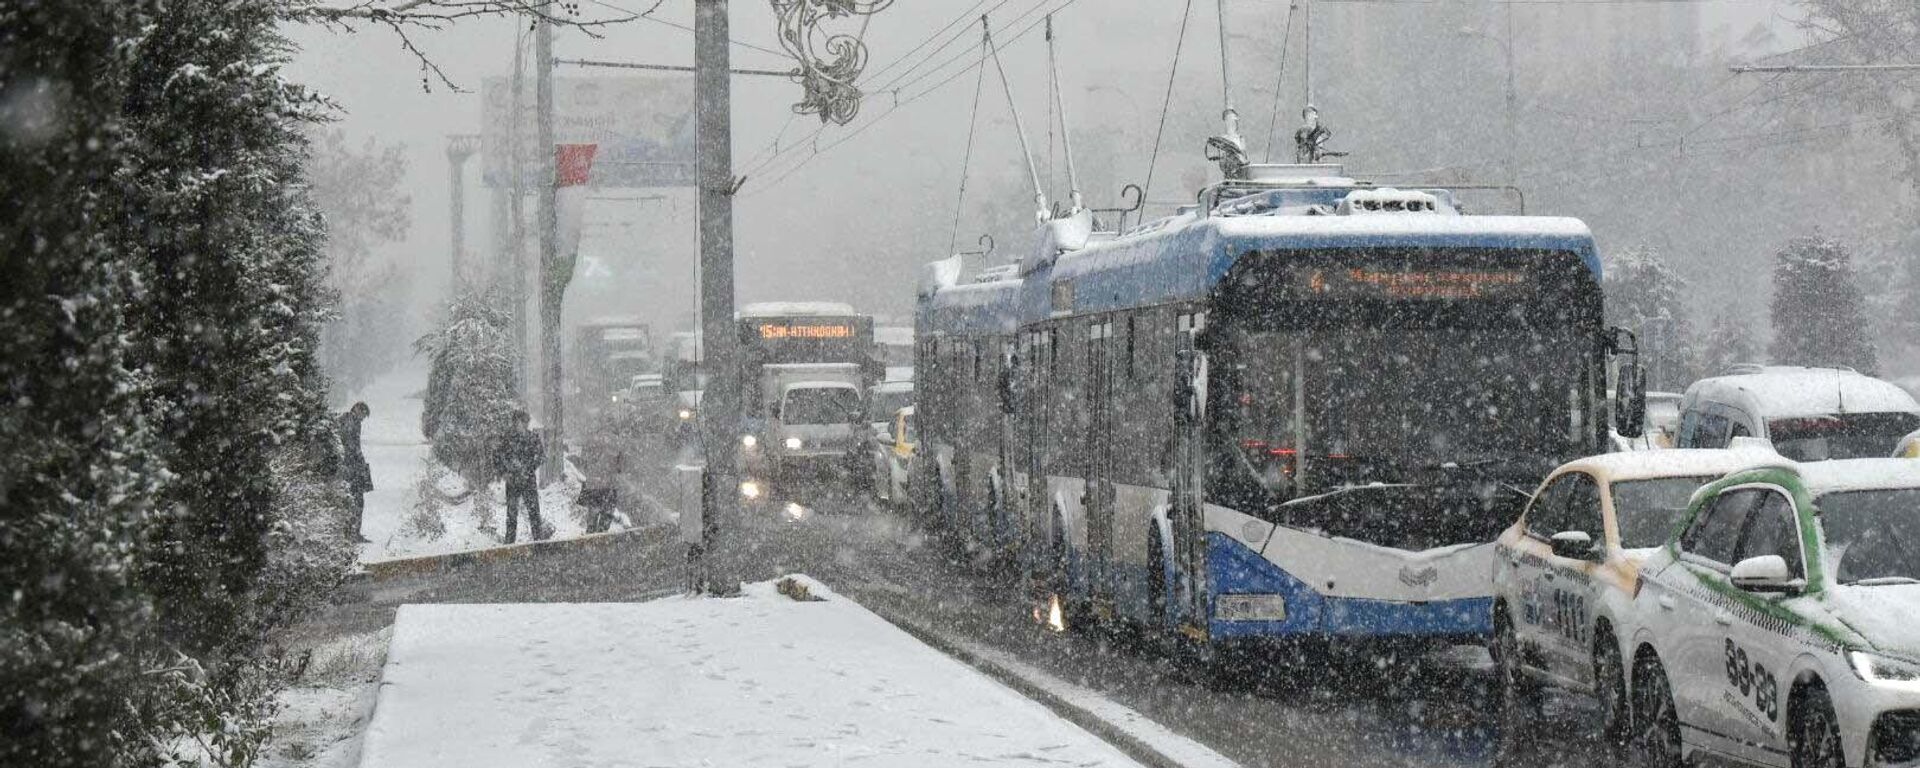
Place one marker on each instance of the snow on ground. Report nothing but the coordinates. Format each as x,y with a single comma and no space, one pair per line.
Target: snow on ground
756,680
404,475
322,715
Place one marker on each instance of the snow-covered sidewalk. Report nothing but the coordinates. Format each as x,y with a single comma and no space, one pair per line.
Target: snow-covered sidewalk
762,679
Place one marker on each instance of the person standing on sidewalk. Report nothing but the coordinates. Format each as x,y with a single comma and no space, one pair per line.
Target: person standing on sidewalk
517,459
354,468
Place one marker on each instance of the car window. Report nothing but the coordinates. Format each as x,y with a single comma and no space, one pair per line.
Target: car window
908,433
1647,511
1715,532
1711,432
1773,530
1564,505
1872,535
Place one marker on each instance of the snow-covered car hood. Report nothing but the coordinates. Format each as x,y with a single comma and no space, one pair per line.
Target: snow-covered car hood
1885,616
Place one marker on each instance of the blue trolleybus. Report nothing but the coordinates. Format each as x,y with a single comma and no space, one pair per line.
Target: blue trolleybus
1301,409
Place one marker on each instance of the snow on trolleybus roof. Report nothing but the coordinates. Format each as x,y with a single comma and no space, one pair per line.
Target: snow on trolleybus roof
1185,256
796,309
1789,391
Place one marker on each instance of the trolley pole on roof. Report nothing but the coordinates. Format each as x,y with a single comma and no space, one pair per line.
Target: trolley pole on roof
716,559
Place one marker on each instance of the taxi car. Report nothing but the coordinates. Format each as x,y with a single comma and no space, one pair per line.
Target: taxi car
1565,571
893,458
1781,625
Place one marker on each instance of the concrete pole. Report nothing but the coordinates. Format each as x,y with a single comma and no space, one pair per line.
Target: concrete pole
456,209
717,567
552,418
516,208
1513,108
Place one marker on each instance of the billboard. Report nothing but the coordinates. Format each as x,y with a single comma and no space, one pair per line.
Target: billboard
643,127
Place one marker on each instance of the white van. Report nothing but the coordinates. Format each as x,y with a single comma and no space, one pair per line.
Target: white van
1809,414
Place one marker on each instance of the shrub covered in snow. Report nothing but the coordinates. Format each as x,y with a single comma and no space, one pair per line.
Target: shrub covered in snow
1819,314
470,386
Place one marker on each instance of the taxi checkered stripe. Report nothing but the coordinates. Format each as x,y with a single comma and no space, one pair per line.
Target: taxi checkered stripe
1747,614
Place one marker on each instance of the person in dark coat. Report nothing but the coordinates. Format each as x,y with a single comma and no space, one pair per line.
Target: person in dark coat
353,466
517,459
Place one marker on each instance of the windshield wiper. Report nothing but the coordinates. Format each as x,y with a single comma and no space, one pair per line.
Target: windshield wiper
1881,581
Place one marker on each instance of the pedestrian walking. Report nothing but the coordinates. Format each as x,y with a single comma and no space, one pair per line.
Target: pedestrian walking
353,466
517,459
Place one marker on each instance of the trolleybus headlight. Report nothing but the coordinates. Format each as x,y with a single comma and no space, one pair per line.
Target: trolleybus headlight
1885,671
750,490
685,414
1250,608
793,443
749,441
795,511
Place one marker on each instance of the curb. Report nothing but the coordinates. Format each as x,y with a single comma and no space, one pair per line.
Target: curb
383,570
1128,743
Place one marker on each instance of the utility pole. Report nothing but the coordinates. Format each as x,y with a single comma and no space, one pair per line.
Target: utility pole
717,558
1513,97
553,420
516,208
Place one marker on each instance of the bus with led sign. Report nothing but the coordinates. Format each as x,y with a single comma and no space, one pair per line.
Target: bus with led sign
1269,418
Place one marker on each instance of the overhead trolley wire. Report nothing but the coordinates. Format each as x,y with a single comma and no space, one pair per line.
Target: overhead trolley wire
966,160
1166,105
902,103
1280,80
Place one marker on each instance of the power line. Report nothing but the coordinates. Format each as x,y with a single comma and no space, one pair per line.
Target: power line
895,86
905,102
646,16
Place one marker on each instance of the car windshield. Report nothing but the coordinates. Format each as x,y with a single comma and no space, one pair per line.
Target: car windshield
1647,511
823,405
1872,536
1850,436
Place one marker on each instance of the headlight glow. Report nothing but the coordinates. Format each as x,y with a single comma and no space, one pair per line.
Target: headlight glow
795,511
1885,671
749,440
750,490
685,414
794,443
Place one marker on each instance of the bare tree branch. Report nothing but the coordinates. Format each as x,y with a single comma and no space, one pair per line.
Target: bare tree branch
403,16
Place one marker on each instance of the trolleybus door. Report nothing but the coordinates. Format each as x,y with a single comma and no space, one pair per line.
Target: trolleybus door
1037,420
1187,518
1099,502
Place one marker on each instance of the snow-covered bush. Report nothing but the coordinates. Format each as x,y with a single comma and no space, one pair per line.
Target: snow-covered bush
1646,296
470,386
424,518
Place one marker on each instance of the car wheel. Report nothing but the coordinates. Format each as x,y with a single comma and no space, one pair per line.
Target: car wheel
1656,725
1610,686
1816,732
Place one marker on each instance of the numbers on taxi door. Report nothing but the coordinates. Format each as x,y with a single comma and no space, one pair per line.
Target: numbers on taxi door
1570,614
1753,681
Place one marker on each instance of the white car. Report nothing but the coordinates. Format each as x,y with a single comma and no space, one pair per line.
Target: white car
1782,625
1570,566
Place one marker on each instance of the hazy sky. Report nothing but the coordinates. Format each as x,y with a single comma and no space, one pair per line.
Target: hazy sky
855,222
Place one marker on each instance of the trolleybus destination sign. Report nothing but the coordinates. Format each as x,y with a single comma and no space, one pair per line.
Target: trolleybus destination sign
1408,282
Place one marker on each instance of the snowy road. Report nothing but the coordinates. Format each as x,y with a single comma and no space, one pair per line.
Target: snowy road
1432,712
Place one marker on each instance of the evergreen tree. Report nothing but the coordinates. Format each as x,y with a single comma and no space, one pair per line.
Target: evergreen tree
1728,341
1819,317
470,387
1646,296
78,462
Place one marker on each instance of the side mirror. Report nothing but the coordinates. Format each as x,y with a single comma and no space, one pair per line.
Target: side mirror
1573,545
1630,384
1185,395
1765,573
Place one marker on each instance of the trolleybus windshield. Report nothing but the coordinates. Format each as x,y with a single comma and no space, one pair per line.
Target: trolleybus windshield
1337,369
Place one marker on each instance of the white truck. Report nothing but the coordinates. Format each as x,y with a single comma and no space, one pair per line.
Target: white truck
812,428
